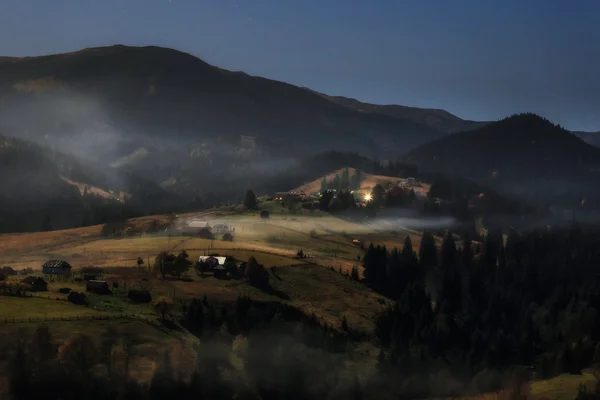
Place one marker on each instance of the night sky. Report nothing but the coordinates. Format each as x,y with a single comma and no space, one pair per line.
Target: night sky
479,59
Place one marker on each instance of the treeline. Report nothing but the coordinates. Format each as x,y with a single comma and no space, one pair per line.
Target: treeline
530,300
285,354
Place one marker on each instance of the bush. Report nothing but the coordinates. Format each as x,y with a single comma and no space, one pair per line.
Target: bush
77,298
228,237
206,233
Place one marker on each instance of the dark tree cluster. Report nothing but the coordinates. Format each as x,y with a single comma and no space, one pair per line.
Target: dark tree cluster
529,299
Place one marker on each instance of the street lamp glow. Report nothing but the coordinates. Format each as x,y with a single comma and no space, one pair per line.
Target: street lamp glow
367,197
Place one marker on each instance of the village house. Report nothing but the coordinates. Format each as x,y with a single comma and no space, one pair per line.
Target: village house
36,283
56,267
212,261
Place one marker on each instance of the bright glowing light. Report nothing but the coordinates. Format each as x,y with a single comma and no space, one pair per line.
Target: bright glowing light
367,197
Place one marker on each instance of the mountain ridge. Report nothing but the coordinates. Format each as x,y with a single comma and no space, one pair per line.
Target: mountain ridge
435,118
154,90
522,154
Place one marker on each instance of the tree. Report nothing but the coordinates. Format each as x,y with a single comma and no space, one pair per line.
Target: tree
335,205
163,306
324,185
250,200
46,224
345,179
354,273
140,262
356,180
412,195
256,273
165,263
377,194
181,264
78,354
345,324
43,348
427,251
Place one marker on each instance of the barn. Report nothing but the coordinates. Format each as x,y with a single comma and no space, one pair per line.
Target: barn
56,267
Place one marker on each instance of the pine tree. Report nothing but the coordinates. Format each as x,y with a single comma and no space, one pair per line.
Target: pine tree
250,200
427,252
345,179
46,224
377,194
356,180
324,185
409,260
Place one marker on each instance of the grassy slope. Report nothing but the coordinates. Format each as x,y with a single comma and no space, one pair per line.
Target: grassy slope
310,287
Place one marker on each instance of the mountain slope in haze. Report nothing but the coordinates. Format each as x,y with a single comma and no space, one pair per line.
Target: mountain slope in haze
132,93
39,183
592,138
522,154
32,189
440,120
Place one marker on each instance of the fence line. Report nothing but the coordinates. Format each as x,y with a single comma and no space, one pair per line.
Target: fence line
61,318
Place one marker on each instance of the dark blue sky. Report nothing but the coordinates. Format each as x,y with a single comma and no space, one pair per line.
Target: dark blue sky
479,59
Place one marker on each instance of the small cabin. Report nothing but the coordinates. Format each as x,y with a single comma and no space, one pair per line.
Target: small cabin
99,287
36,283
56,267
139,296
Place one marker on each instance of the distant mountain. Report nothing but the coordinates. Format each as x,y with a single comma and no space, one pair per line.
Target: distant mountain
101,101
592,138
440,120
39,183
32,189
522,154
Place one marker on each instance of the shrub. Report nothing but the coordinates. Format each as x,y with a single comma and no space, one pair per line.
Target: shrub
228,237
77,298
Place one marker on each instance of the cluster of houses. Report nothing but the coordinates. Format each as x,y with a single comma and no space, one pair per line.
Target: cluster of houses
56,269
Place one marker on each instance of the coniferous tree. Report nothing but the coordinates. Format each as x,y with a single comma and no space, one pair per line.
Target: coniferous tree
250,200
356,179
427,252
324,185
345,179
46,224
377,195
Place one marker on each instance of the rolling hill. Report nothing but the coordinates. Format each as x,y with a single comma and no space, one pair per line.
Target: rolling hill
440,120
111,99
521,154
367,184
